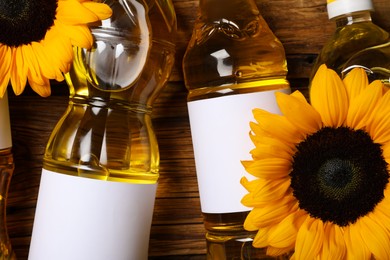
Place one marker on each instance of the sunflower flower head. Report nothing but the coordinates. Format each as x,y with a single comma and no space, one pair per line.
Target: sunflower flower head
324,166
37,37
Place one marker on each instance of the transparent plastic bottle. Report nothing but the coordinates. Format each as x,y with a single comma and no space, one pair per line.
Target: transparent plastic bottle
101,163
374,60
233,64
7,167
354,32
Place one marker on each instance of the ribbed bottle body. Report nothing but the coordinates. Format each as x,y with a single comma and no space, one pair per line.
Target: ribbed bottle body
101,163
233,64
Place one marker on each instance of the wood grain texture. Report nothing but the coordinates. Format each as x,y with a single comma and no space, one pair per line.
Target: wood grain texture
177,231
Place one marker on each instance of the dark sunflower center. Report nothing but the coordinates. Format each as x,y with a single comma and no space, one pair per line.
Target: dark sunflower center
25,21
339,175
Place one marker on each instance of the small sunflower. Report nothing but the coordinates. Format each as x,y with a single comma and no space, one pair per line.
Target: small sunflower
37,36
322,170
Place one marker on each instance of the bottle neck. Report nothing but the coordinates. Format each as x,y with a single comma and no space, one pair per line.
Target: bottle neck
352,18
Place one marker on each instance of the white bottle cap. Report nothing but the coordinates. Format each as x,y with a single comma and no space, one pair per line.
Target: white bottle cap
5,126
340,7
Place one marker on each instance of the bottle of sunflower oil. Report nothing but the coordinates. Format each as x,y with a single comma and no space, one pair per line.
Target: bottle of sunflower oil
355,32
101,163
233,64
6,170
374,60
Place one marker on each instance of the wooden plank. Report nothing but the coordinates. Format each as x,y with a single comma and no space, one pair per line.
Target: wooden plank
170,240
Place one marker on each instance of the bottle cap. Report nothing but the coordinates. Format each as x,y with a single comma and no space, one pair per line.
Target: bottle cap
340,7
5,126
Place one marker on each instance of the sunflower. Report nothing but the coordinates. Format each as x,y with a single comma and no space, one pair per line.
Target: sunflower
321,171
37,37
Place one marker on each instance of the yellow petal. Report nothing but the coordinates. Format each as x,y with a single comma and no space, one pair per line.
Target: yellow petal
262,192
309,239
363,105
270,168
73,12
18,71
272,213
382,216
261,138
43,89
59,49
32,64
285,233
329,97
334,245
379,122
102,11
299,112
271,147
79,35
48,69
5,66
356,248
277,126
355,82
261,238
386,192
277,251
386,151
375,237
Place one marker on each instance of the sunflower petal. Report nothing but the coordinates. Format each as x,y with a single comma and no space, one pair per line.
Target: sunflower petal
38,83
262,192
270,168
48,69
309,239
43,89
18,71
271,147
59,48
375,237
79,36
285,233
73,12
261,237
5,66
329,97
382,216
363,105
386,152
34,70
277,126
102,11
277,251
334,245
355,82
272,214
356,248
379,122
299,112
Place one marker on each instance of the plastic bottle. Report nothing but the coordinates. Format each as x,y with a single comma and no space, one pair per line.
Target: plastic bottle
354,32
101,163
7,167
233,64
374,60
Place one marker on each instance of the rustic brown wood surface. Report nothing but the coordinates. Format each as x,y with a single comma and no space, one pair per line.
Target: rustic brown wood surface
177,231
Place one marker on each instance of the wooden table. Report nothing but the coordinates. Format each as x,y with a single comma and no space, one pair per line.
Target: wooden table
177,231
